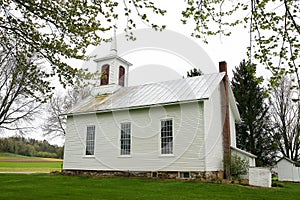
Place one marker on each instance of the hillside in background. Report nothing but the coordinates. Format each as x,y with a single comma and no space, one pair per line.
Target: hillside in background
30,147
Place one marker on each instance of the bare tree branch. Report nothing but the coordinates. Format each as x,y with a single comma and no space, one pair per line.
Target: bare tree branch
285,118
55,124
18,106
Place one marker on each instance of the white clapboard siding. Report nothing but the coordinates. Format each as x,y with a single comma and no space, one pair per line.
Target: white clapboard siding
214,120
145,155
287,170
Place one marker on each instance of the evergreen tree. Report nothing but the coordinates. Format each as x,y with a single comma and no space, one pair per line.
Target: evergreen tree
253,134
194,72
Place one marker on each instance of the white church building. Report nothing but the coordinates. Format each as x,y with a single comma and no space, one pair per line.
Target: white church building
180,128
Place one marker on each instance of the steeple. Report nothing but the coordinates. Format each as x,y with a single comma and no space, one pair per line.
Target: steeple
113,47
114,70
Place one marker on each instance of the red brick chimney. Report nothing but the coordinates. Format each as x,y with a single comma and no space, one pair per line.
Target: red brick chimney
226,125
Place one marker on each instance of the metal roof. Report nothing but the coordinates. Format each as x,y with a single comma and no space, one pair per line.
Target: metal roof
168,92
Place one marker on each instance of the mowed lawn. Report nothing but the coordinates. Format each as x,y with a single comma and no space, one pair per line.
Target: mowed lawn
45,186
17,163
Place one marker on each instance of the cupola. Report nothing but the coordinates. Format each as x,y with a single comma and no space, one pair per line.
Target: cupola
114,70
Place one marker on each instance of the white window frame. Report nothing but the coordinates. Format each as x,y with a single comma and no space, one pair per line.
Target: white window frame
88,139
160,137
123,154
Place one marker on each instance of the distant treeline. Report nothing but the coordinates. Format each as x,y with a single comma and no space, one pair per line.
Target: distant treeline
30,147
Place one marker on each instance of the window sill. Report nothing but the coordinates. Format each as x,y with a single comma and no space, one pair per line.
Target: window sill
166,155
88,156
124,156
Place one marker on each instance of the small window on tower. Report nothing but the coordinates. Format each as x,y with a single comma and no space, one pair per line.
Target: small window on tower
104,75
121,76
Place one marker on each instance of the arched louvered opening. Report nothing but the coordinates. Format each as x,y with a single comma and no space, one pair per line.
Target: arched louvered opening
105,74
121,76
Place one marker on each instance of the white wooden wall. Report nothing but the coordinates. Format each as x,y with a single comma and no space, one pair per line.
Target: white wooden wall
145,150
287,171
214,120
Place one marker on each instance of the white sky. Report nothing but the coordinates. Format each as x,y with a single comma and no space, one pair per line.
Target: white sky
230,49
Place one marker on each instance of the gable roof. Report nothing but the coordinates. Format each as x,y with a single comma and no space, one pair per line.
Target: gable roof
243,152
162,93
287,159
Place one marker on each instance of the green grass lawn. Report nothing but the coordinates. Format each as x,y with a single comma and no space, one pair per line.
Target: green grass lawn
44,186
17,163
30,166
4,155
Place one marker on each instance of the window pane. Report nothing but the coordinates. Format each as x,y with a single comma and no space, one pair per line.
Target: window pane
105,75
90,140
125,138
121,76
166,137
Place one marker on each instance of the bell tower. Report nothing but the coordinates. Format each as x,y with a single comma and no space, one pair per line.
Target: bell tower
114,70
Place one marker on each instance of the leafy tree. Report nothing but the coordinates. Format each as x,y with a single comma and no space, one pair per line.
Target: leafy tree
285,108
273,26
253,133
30,147
52,30
194,72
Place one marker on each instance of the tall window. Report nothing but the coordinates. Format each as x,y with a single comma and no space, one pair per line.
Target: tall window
121,76
125,138
166,136
105,74
90,140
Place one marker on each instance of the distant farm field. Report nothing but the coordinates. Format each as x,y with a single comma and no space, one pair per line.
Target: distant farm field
45,186
17,163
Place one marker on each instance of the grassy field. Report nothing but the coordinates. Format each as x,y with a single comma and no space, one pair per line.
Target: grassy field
17,163
44,186
10,155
